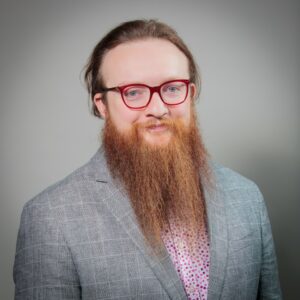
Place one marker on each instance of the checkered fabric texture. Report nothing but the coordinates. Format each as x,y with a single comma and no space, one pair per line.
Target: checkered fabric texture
79,239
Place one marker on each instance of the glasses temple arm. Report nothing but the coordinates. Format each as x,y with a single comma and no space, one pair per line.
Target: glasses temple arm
104,90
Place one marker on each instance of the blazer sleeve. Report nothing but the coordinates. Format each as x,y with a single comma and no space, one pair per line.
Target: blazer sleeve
43,267
269,286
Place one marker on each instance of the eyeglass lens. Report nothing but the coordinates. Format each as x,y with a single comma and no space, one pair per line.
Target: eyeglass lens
139,95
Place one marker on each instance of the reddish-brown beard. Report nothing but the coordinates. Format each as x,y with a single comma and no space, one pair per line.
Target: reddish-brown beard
163,182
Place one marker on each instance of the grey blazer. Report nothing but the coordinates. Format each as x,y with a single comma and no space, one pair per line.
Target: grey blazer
79,239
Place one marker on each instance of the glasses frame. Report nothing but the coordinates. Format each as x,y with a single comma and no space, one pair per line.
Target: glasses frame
152,89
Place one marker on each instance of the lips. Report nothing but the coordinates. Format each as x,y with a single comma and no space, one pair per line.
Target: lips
157,127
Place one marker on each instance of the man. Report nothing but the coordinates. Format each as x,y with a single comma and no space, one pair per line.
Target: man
150,216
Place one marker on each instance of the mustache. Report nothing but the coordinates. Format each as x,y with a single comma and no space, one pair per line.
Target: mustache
152,123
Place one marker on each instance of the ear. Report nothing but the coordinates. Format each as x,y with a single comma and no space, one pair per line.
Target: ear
102,108
193,91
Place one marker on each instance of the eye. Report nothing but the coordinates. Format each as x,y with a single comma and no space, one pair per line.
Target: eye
172,88
135,93
131,93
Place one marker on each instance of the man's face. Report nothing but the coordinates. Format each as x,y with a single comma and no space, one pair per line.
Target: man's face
151,62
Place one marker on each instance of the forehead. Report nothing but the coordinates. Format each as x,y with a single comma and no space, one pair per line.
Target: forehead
149,61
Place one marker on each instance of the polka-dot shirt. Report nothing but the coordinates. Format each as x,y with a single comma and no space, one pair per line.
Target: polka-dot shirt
192,266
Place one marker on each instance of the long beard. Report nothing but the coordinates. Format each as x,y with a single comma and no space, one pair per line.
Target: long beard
164,183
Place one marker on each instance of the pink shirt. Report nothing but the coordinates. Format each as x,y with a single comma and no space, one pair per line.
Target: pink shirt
192,267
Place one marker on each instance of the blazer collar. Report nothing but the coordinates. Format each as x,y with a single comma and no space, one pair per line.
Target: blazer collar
162,265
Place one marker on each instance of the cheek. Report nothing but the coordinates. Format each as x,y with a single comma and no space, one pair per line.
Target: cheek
122,117
183,112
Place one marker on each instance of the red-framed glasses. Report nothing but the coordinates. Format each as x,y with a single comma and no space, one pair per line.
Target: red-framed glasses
138,96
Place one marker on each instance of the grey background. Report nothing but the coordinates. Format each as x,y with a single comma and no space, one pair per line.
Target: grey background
248,53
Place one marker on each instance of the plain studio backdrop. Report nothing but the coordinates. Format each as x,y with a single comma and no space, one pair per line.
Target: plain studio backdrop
248,54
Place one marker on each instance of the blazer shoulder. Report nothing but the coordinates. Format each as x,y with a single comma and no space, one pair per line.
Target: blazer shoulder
228,179
240,195
70,189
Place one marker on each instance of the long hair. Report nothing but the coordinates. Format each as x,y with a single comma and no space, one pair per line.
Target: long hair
126,32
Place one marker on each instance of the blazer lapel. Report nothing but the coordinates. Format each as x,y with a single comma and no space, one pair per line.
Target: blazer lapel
160,263
118,204
217,227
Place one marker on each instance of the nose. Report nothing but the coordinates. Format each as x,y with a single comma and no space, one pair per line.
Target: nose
156,108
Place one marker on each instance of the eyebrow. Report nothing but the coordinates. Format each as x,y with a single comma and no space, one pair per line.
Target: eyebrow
140,82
